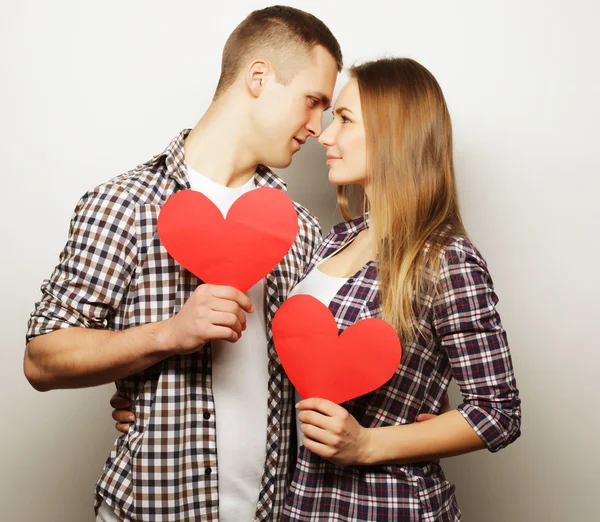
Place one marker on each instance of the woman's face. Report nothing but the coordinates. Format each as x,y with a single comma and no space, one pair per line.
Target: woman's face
345,139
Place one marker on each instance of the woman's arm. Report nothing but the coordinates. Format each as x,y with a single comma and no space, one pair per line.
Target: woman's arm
445,436
469,330
332,433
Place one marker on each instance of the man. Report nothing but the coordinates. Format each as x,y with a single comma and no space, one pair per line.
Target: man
212,438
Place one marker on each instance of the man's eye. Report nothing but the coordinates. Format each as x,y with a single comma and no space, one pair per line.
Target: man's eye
313,102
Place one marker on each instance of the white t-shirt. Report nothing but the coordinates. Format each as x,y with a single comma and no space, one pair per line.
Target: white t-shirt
240,389
324,288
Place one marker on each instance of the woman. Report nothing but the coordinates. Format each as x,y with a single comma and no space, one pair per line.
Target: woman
406,258
409,260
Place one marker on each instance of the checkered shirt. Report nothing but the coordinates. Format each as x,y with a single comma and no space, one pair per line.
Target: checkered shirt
461,337
114,273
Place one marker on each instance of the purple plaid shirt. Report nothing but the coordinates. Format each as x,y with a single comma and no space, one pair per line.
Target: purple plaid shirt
461,336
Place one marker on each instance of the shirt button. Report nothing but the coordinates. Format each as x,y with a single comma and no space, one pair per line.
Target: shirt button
206,415
208,471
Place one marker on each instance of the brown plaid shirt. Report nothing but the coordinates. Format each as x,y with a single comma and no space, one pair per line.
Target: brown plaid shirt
114,273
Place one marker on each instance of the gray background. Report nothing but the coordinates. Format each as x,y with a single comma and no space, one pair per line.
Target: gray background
90,90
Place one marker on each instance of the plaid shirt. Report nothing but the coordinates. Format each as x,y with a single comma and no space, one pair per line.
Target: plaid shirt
114,273
461,337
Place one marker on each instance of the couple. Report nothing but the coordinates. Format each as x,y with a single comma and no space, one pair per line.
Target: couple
214,437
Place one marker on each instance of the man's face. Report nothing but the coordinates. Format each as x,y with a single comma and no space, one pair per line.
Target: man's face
286,115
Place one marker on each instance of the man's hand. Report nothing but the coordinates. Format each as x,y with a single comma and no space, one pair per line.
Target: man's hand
444,409
122,412
331,432
212,312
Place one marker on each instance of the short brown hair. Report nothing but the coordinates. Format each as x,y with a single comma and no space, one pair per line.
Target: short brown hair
284,31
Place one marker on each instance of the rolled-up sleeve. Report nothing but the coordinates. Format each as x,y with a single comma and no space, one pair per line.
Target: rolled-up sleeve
94,268
470,331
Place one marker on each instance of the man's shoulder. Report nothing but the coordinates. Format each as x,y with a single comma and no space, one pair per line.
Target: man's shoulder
146,184
306,218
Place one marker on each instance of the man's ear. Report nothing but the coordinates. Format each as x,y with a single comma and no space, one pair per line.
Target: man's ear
257,76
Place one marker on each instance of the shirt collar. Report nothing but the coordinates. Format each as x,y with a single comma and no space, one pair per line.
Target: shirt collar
174,158
349,229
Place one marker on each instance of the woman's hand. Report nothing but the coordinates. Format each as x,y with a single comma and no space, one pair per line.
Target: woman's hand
122,412
331,432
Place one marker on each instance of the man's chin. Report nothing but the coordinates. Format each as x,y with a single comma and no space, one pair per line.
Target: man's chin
280,163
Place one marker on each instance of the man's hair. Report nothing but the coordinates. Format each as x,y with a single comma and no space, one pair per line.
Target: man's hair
283,34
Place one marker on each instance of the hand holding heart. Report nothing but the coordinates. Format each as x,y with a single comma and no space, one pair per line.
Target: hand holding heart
237,252
328,368
212,312
332,433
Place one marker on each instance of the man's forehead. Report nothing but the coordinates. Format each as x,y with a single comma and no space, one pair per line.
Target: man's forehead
321,74
319,85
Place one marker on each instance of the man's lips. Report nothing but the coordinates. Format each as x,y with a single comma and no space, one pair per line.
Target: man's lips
298,142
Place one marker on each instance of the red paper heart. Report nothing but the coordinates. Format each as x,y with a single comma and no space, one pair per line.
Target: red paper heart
322,364
239,250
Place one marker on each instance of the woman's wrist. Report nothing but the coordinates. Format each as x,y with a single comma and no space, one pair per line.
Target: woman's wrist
366,447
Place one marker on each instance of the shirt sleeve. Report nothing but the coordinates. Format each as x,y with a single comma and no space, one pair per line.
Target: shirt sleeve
94,268
470,331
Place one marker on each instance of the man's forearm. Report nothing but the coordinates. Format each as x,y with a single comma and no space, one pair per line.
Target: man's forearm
82,357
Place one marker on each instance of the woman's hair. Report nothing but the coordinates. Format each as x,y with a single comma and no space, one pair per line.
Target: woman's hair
413,203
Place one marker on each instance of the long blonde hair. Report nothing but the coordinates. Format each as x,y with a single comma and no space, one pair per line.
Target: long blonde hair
413,203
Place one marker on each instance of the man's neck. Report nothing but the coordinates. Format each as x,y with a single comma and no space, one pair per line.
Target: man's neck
216,148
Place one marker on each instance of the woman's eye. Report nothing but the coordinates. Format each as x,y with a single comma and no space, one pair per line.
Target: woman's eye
345,120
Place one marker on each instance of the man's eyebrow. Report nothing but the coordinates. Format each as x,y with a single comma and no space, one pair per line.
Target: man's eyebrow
323,99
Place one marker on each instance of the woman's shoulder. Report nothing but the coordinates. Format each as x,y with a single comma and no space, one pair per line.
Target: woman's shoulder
462,265
458,250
